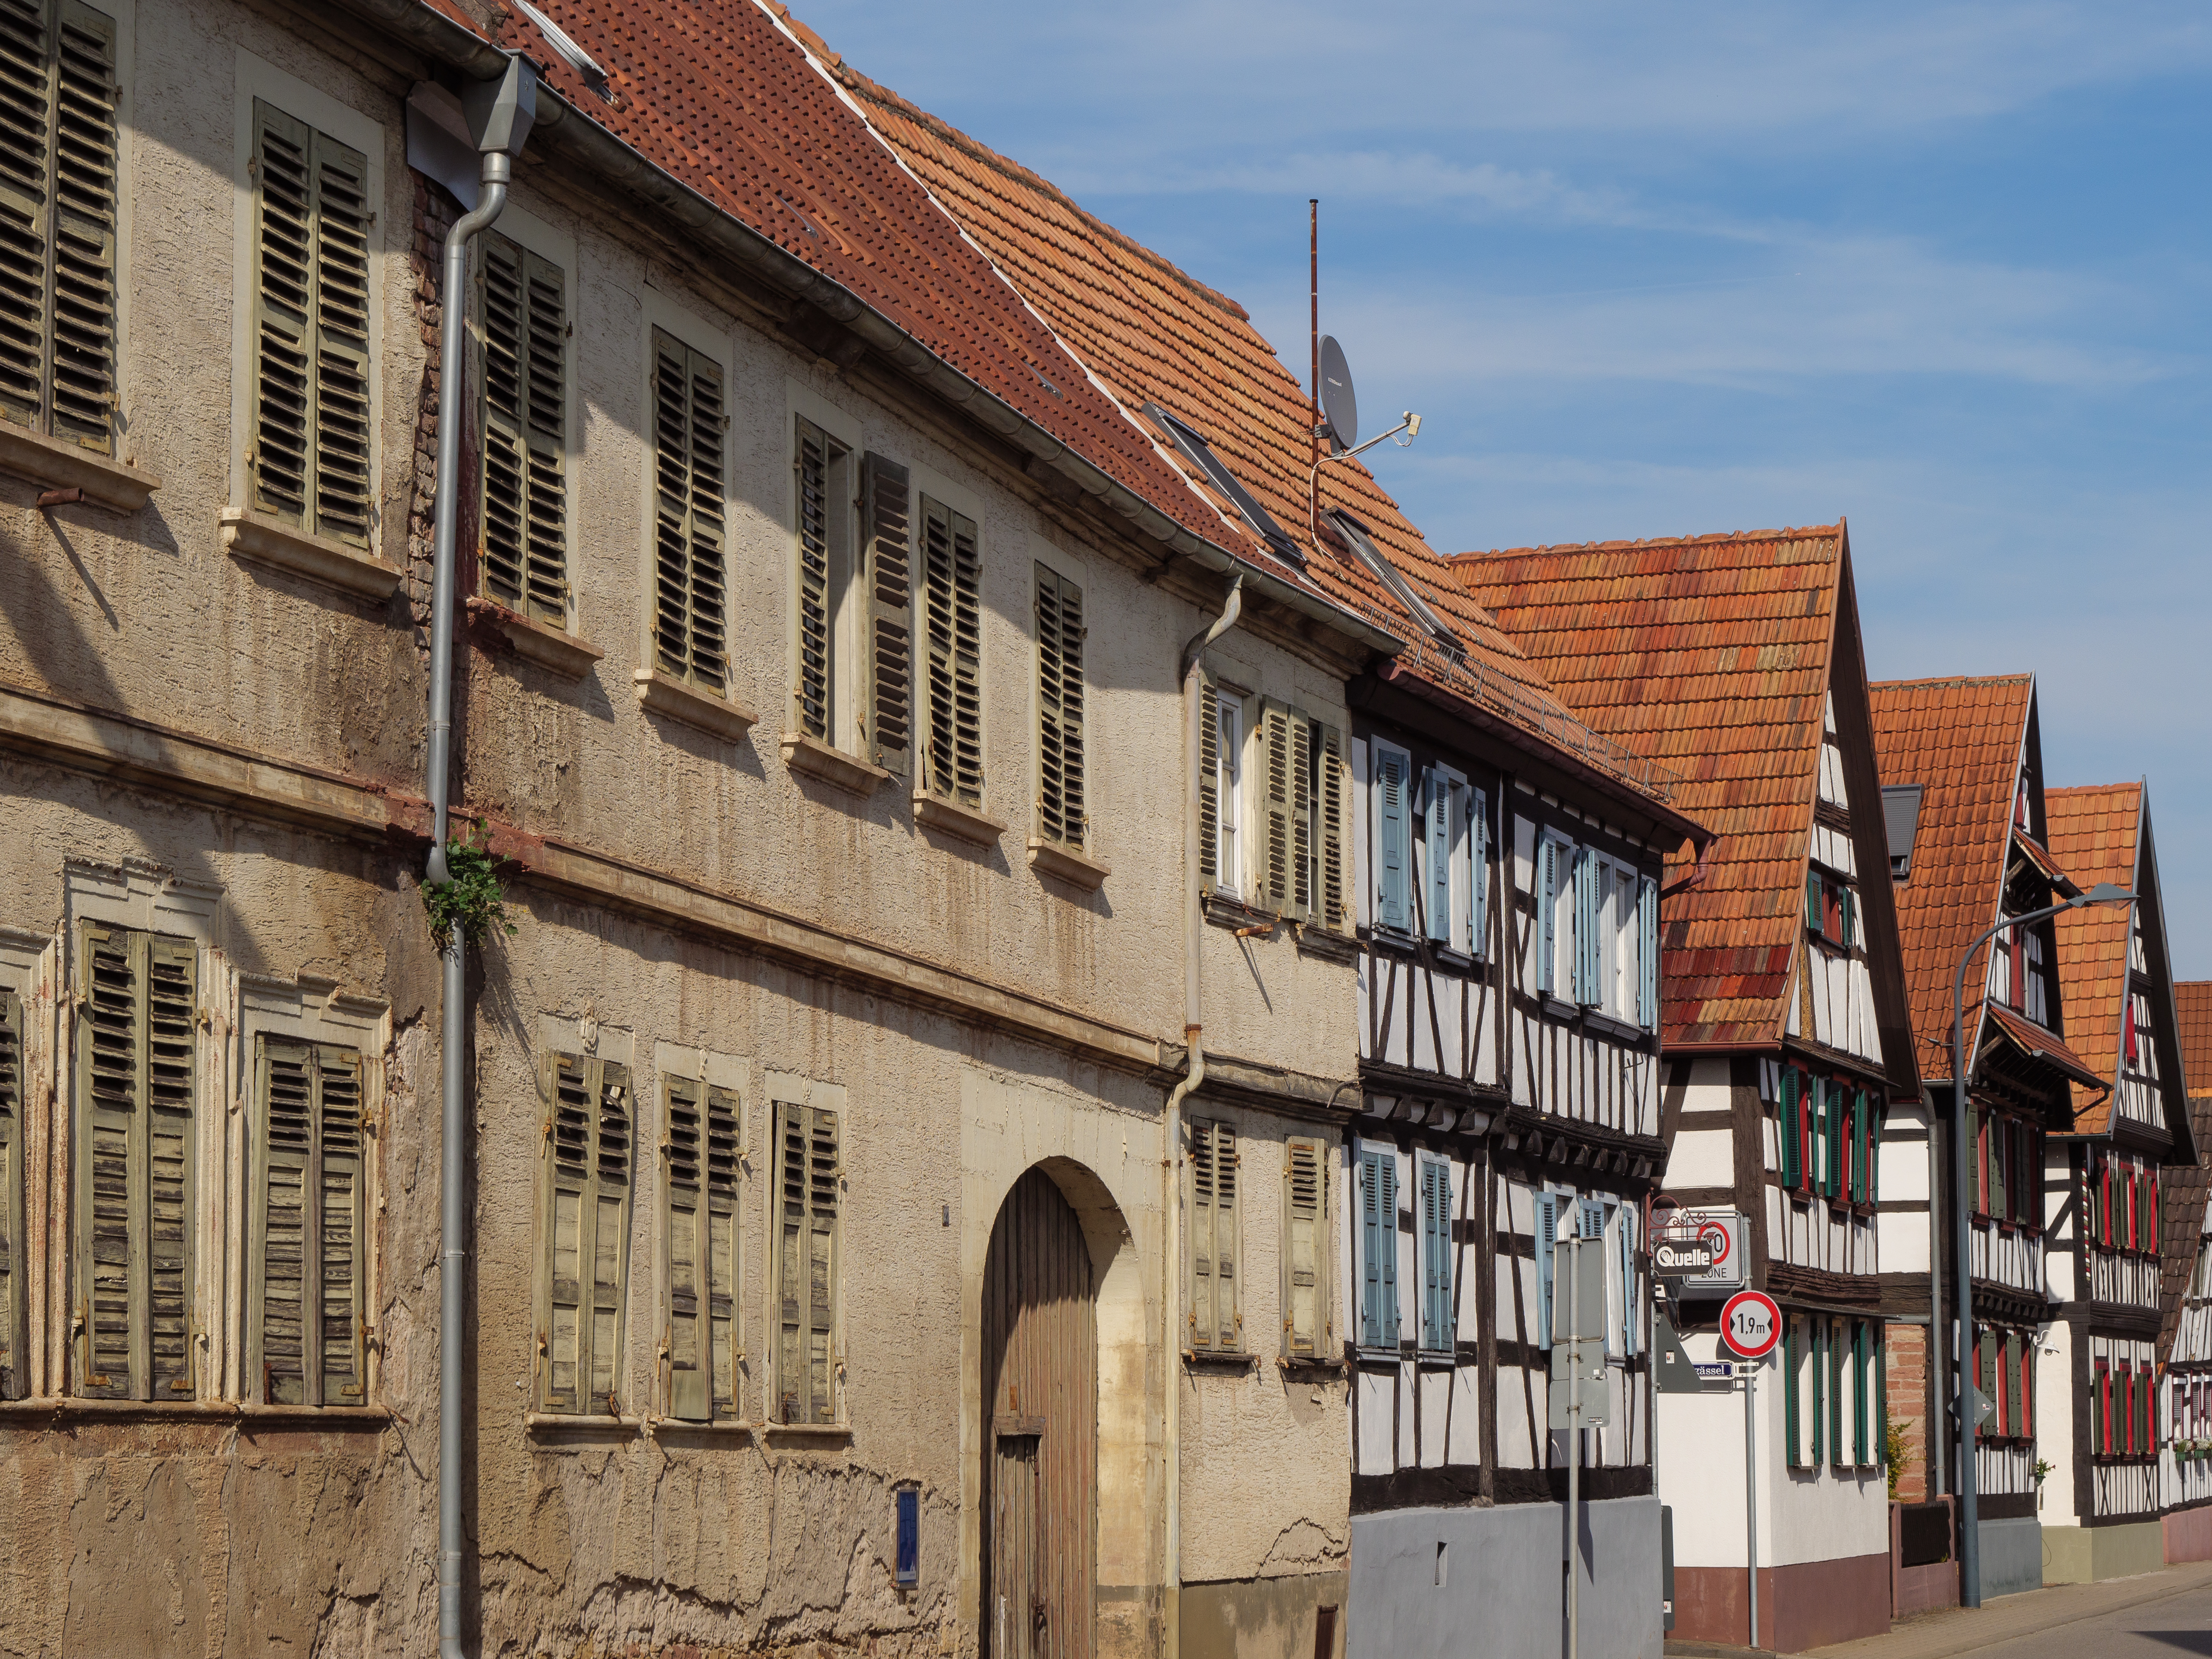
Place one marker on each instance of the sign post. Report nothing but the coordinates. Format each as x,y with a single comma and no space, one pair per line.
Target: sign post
1577,1398
1750,1327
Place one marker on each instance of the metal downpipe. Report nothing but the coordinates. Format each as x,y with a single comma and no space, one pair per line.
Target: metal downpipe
453,1254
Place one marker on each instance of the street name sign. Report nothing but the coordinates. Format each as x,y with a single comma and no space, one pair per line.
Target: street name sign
1701,1251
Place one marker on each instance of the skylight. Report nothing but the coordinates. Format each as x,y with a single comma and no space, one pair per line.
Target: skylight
1200,453
1900,812
1363,546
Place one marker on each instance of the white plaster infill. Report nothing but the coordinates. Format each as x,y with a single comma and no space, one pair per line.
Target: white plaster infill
1064,863
718,717
969,823
259,539
558,653
832,765
59,465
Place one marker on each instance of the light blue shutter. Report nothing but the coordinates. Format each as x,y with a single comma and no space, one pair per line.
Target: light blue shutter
1548,1216
1547,909
1436,1256
1647,954
1388,1162
1440,918
1370,1248
1478,881
1586,944
1391,839
1630,1308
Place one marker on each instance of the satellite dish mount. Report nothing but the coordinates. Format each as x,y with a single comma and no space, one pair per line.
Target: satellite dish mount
1333,406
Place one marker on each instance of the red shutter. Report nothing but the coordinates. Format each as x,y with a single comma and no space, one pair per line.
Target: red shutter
2131,1029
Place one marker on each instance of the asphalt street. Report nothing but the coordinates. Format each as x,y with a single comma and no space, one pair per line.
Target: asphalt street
2155,1630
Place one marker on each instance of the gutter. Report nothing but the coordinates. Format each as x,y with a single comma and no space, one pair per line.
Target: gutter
563,130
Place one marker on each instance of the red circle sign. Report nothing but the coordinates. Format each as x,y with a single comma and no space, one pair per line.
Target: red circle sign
1715,1237
1750,1325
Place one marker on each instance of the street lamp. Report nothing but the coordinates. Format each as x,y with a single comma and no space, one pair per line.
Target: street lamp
1970,1542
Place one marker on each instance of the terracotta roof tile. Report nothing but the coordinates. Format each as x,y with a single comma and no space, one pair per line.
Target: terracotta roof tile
1710,654
2192,1001
2093,833
2183,1189
1961,741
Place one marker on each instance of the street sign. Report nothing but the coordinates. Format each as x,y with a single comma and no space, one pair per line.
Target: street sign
1715,1371
1671,1365
1751,1325
1578,1368
1714,1237
1983,1405
1578,1324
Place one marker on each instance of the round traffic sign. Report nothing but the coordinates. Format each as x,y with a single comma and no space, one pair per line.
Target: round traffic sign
1715,1237
1750,1324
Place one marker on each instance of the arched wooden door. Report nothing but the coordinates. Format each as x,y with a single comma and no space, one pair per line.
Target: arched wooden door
1040,1481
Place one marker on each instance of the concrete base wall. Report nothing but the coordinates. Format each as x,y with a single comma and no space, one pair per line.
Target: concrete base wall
2189,1534
2012,1556
1504,1589
1263,1617
1810,1604
2081,1555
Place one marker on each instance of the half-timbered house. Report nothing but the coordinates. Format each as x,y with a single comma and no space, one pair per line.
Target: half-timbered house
1737,660
1963,789
2185,1313
2104,1181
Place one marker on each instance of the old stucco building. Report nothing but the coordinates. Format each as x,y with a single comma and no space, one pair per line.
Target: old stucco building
824,688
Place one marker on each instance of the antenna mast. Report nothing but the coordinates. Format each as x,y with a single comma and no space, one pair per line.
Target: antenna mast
1312,381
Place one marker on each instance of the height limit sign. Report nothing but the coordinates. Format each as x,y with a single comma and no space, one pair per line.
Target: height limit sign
1751,1325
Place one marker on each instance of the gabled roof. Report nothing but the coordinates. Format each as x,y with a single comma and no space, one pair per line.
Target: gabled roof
2192,1001
2183,1192
2093,833
1962,740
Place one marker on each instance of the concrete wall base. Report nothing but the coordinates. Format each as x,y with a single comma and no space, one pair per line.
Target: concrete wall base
2081,1555
2189,1534
1808,1604
1262,1618
2012,1556
1504,1588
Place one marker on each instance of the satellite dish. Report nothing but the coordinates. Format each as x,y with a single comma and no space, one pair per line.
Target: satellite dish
1338,402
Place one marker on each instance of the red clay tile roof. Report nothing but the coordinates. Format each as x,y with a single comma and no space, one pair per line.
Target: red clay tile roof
1711,655
2040,1044
2184,1188
2093,833
1961,739
2192,1002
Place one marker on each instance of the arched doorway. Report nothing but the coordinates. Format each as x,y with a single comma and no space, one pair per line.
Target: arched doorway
1040,1452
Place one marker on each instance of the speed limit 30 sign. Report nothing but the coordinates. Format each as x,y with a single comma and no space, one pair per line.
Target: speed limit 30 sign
1751,1324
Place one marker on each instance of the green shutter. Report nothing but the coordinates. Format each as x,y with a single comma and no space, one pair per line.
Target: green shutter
683,1221
1839,1363
1819,1330
1329,767
585,1236
1862,1381
13,1377
1793,1138
1305,1249
884,511
521,343
1789,1386
1985,1353
305,1341
1209,785
952,630
58,220
1061,811
1814,918
807,1239
719,1268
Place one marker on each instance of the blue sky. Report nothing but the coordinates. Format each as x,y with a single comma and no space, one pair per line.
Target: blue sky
1648,270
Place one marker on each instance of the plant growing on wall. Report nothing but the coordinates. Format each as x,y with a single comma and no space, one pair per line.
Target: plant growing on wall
1893,1452
474,898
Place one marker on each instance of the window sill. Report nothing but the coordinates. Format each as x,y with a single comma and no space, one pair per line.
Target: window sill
1063,863
61,465
951,819
551,650
727,1428
1300,1365
819,1434
70,1407
702,711
1218,1362
1227,910
832,765
580,1422
1435,1359
1316,940
259,539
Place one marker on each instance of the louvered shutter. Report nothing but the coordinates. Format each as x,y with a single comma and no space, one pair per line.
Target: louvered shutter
1547,915
1436,1256
2011,1383
1838,1134
690,596
1631,1303
1985,1372
522,330
12,1359
1336,910
811,469
1791,1107
281,453
286,1175
1275,790
1438,885
58,221
342,437
1479,873
1228,1315
1386,1166
1791,1361
1588,955
307,1346
808,1238
1859,1391
1838,1357
340,1228
1303,906
952,755
585,1236
1848,903
724,1148
1202,1317
1392,838
1371,1235
1815,915
885,512
1209,785
1647,953
684,1215
1061,786
1547,1221
1306,1249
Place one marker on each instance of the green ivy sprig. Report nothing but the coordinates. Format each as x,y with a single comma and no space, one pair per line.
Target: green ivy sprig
474,897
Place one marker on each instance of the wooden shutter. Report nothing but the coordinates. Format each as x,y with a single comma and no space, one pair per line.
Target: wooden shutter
1306,1307
13,1366
1860,1380
1394,853
1847,901
1791,1107
1209,785
1216,1323
136,1021
1985,1371
886,517
1632,1304
684,1215
1387,1169
522,327
1838,1134
1478,846
1336,911
1303,905
1790,1351
1647,953
1277,790
1061,786
1839,1359
724,1147
807,1266
690,596
1588,958
952,757
1548,913
2010,1384
586,1236
1436,1256
58,220
306,1344
1547,1227
1815,910
1371,1235
1436,822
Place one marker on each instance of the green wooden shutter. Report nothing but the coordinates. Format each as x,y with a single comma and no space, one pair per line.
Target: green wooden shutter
12,1367
1276,791
1209,785
1847,906
952,578
1305,1249
2008,1382
58,220
683,1228
1839,1364
1791,1344
1792,1136
1387,1167
724,1148
522,333
886,513
1330,772
1985,1369
1860,1380
690,593
1815,917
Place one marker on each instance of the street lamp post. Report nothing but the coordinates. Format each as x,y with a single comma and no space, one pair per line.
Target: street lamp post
1962,1195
